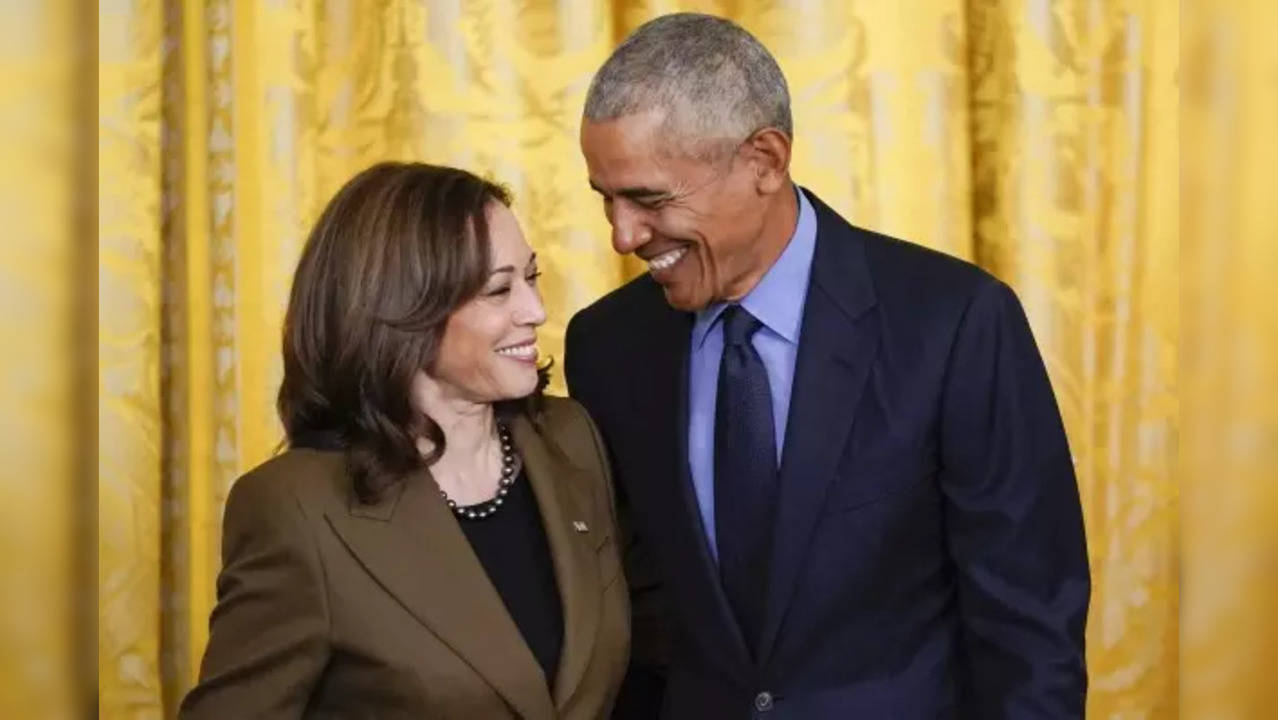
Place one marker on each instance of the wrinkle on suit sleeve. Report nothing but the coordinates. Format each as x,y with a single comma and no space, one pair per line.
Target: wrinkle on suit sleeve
1013,519
268,633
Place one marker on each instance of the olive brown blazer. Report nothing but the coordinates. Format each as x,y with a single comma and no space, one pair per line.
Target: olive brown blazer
329,608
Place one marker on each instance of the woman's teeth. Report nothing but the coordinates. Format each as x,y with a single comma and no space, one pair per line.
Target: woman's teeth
520,352
666,259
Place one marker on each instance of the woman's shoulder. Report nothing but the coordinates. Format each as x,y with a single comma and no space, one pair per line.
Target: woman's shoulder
566,422
557,411
309,479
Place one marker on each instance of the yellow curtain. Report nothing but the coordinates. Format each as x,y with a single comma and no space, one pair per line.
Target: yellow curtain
1229,353
1036,138
45,277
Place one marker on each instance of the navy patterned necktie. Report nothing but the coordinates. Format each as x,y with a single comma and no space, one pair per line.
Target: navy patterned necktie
745,473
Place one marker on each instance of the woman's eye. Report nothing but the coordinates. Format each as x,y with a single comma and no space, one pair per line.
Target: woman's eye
532,279
498,291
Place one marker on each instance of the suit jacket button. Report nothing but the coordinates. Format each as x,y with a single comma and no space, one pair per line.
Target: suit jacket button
763,701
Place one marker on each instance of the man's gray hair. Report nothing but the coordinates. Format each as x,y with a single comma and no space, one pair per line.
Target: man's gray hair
715,81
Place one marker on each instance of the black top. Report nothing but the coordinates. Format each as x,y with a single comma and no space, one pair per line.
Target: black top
511,545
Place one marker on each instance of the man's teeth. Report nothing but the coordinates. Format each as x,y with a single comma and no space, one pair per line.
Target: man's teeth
519,351
666,259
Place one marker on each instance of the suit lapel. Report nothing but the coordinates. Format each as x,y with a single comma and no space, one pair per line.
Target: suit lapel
662,407
412,545
558,484
837,346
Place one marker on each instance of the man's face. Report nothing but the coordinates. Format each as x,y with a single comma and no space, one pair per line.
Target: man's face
693,222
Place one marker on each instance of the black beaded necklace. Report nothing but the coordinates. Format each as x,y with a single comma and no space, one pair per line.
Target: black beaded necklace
485,509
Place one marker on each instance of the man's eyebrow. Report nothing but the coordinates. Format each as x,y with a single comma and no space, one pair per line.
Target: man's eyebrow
634,193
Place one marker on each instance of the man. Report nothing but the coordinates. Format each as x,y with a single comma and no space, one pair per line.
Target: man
845,476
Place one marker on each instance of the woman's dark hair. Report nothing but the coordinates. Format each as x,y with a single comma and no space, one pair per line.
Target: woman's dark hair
396,251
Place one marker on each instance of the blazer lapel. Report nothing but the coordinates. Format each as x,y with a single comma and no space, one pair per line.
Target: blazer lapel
557,485
837,346
411,544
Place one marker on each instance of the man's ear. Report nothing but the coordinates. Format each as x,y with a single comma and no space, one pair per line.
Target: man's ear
769,153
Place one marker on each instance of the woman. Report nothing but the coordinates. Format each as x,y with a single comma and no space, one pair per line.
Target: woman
438,540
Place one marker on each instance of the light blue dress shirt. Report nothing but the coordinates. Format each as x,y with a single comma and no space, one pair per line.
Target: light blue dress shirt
777,302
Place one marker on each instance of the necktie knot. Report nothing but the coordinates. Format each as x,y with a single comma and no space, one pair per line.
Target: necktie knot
738,326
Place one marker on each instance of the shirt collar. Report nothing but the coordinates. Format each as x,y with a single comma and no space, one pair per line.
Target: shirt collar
777,300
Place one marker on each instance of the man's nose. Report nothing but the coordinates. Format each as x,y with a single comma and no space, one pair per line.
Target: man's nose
629,232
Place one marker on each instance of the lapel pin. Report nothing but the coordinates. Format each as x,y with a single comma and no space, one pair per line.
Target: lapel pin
580,526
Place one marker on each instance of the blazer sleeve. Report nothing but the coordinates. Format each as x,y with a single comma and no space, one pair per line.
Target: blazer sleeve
268,633
642,690
1013,519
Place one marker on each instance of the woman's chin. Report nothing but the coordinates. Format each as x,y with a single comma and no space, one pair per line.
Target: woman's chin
521,386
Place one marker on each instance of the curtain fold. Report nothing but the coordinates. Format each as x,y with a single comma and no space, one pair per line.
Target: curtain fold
1230,356
1034,137
44,379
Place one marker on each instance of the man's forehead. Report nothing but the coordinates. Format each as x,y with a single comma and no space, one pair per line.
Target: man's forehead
640,180
635,156
638,127
617,167
617,147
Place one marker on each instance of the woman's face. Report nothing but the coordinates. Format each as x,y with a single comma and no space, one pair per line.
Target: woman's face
489,349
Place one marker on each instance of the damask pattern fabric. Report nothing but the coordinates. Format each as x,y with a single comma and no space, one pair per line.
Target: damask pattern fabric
1031,137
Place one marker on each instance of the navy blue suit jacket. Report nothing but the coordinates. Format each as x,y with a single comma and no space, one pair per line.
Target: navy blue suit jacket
929,558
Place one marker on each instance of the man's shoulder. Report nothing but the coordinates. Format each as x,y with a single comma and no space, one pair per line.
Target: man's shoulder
903,266
897,266
623,306
613,337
